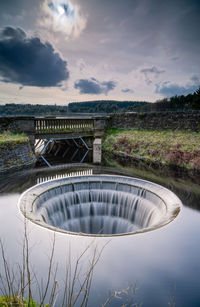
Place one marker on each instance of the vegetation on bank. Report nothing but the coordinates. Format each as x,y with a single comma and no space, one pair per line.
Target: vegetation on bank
8,136
166,147
16,301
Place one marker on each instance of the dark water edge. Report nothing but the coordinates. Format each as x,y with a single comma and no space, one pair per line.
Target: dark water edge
122,159
163,263
74,155
184,183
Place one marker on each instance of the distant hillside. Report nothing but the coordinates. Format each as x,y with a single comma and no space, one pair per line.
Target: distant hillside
176,103
32,110
106,106
80,107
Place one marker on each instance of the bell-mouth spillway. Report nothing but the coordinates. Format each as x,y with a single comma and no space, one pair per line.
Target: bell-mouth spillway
99,205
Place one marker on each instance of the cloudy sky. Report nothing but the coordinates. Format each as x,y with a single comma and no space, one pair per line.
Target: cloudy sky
57,51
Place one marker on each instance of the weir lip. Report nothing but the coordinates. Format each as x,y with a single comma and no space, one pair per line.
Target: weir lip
99,205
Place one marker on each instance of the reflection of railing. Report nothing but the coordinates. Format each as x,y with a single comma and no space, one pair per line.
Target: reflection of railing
49,125
70,174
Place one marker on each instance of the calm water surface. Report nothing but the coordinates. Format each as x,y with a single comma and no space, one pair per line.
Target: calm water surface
163,263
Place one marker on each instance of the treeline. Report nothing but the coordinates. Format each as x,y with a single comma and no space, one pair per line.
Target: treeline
176,103
80,107
13,109
106,106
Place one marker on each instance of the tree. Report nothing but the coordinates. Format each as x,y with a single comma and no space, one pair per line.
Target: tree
196,100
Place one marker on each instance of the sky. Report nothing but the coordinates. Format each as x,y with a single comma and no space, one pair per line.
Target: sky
61,51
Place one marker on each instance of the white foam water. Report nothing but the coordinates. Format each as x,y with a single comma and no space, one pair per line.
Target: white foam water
100,205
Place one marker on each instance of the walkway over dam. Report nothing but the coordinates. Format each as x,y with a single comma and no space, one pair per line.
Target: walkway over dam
48,127
46,132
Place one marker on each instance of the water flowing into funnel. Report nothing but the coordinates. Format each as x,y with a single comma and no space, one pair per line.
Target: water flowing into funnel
100,205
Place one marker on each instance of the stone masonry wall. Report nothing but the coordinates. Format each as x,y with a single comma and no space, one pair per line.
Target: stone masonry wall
15,155
156,120
17,124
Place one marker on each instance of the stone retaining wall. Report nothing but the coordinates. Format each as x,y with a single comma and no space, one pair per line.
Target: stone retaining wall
156,120
15,155
17,124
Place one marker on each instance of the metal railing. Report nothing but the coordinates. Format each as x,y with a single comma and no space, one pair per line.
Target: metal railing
62,125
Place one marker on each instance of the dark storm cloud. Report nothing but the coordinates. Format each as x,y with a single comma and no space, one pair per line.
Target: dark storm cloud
149,72
127,90
68,10
11,33
147,27
28,61
168,90
196,80
93,86
153,70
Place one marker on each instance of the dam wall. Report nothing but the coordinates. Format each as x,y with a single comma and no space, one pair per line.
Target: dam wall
16,155
17,124
130,120
156,121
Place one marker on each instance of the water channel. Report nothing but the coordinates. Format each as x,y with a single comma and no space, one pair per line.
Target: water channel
164,263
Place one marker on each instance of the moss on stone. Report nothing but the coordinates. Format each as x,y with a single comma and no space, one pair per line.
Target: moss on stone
15,152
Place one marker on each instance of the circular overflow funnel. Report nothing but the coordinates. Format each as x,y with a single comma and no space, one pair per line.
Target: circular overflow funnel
99,205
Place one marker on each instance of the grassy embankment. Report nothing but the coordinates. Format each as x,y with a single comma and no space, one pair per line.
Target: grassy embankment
164,147
9,137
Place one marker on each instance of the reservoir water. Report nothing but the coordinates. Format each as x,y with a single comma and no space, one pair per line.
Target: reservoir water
164,263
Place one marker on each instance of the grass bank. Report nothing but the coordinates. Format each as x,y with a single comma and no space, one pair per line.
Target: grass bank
9,137
164,147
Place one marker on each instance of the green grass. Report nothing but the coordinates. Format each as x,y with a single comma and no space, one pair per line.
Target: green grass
7,136
180,148
17,302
